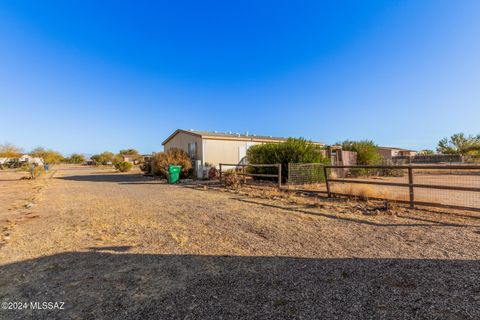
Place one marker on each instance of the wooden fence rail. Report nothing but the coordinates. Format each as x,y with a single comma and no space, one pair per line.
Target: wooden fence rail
245,174
411,185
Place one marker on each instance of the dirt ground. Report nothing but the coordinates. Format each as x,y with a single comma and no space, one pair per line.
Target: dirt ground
124,246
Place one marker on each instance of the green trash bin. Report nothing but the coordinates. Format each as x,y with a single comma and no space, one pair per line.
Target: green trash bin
173,173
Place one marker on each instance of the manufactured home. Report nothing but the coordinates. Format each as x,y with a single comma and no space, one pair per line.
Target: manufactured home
389,152
213,148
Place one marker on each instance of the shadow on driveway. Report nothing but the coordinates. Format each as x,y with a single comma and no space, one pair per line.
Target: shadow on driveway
104,285
112,177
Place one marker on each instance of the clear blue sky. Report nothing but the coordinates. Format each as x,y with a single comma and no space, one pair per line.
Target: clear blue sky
89,76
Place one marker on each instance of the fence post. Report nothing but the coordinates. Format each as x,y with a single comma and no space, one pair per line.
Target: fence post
244,176
326,181
279,166
410,188
220,173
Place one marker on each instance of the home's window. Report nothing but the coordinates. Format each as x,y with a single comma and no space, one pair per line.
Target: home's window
192,150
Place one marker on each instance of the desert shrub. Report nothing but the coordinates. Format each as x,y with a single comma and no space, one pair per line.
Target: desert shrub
103,158
33,170
36,171
146,167
363,192
293,150
367,154
231,179
213,173
123,166
161,160
391,172
48,156
76,158
117,159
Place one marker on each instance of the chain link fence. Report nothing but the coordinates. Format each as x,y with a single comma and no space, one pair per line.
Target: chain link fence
305,173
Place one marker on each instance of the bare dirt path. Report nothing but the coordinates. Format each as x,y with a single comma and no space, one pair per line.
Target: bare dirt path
116,245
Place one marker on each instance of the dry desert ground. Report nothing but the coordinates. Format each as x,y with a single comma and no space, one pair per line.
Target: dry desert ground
125,246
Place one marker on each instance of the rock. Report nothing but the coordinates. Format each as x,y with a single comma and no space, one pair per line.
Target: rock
29,205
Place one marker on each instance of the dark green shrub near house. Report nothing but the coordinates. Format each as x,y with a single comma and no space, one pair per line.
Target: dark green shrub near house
367,154
123,166
293,150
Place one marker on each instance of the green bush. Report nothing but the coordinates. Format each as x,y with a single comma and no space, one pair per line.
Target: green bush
161,160
367,154
292,150
76,158
103,158
123,166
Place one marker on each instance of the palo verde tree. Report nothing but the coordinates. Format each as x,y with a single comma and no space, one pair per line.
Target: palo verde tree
133,152
9,150
49,156
460,144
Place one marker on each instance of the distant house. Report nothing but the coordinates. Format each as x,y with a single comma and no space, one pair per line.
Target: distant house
132,158
389,152
4,161
215,147
25,158
29,159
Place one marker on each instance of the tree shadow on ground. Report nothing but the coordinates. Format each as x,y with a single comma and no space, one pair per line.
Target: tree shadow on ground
112,285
